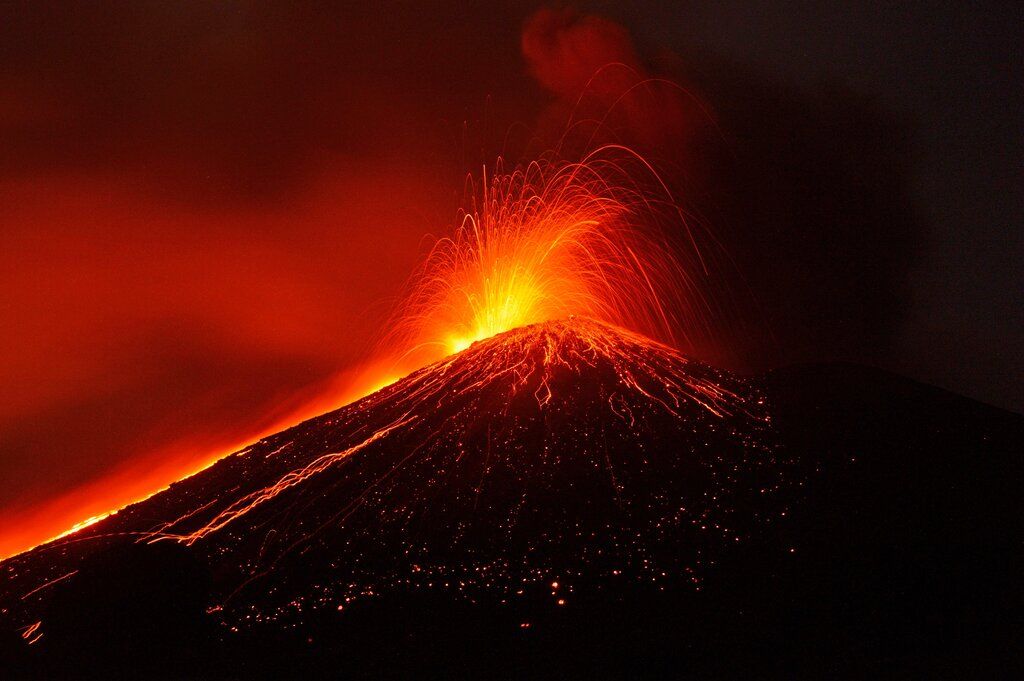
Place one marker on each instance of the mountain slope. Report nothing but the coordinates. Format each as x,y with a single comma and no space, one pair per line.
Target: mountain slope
568,452
567,500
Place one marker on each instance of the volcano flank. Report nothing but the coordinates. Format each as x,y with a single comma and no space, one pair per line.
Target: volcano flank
565,476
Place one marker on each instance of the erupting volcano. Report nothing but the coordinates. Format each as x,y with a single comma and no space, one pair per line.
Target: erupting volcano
543,445
545,470
577,441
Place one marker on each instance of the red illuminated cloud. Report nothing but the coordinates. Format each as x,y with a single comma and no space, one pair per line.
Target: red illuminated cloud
565,50
143,336
591,64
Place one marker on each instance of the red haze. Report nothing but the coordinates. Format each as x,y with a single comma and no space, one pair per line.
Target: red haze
591,64
145,336
205,214
205,210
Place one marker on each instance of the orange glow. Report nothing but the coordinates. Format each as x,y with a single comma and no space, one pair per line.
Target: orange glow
92,520
31,633
132,484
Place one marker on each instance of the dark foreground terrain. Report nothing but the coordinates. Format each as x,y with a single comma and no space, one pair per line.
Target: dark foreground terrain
864,526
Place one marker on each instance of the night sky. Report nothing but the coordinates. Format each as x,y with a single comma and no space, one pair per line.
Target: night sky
207,209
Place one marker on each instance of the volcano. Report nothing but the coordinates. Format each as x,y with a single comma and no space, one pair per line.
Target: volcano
566,480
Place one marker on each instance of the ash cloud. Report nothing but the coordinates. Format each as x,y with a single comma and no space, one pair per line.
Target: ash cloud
565,49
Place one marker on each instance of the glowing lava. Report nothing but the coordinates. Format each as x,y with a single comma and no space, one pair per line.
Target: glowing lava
549,241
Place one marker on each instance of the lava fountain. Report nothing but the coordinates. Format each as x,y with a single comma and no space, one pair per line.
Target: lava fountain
599,238
543,259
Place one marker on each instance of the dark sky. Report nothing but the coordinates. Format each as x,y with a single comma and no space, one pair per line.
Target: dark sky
951,74
205,209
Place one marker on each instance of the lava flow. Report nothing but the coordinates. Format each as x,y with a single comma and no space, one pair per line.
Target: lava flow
526,359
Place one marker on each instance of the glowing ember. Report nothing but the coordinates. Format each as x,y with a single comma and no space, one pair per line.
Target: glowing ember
82,525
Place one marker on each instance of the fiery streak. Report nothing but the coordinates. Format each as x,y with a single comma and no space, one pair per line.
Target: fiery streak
81,525
49,583
251,501
31,633
598,238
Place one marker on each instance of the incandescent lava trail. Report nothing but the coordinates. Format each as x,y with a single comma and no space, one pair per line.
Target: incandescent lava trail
529,361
